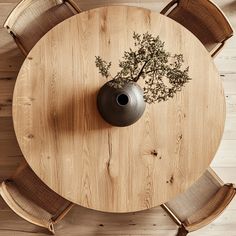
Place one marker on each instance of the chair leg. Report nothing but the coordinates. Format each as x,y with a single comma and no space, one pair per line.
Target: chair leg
169,6
51,228
171,214
23,165
182,231
18,43
215,52
58,217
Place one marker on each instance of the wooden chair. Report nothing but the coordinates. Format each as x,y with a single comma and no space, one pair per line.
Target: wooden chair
203,202
204,19
31,19
32,200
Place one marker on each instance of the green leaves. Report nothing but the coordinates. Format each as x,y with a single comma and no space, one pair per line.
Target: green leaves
148,60
103,66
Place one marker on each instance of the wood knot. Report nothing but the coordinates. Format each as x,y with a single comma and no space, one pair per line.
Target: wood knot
27,104
30,136
154,153
108,164
180,137
171,180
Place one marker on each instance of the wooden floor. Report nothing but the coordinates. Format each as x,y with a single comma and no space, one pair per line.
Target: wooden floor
81,221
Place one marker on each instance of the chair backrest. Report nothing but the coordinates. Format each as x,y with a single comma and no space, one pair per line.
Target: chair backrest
91,4
204,19
32,199
31,19
202,202
212,209
33,188
24,207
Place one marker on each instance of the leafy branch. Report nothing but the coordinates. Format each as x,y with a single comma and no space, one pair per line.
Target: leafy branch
161,71
103,67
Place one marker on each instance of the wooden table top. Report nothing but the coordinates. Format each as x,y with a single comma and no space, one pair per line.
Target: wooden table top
84,159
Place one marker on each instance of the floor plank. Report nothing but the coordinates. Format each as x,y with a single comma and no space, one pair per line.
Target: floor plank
157,5
6,94
89,222
226,155
10,153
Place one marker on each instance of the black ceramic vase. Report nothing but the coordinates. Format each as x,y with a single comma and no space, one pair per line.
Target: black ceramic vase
121,106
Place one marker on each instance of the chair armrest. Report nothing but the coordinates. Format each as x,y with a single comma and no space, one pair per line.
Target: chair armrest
216,50
169,6
74,5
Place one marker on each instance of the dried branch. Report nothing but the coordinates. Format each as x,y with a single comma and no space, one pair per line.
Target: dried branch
162,72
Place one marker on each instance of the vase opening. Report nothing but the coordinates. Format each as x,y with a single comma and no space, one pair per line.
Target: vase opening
121,106
122,99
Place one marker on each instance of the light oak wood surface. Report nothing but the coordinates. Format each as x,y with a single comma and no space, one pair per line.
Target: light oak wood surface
85,160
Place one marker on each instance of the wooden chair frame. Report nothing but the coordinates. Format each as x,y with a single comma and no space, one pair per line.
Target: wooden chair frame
20,7
175,3
169,6
196,222
25,215
28,217
20,212
73,4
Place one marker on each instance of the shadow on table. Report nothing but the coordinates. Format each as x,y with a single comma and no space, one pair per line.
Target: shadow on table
77,116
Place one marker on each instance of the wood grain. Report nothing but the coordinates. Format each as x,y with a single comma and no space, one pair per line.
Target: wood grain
6,93
10,153
82,221
63,137
149,4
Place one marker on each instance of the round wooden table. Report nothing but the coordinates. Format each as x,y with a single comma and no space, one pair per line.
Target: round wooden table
84,159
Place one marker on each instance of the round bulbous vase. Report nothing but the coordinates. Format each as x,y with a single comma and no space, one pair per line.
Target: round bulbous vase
121,106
